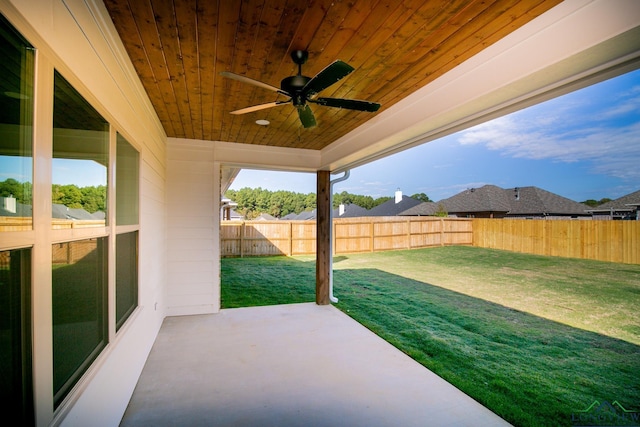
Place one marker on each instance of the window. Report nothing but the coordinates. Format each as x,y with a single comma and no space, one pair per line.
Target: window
15,335
16,115
126,183
126,276
79,298
80,159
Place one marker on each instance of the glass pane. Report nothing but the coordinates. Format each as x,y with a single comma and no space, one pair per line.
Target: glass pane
80,158
79,310
15,337
16,114
126,183
126,276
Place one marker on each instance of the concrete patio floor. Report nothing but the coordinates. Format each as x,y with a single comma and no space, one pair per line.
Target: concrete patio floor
289,365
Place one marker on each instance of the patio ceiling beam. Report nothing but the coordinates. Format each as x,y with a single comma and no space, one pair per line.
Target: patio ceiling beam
323,237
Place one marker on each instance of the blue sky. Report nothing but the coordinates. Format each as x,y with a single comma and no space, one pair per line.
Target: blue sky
583,145
83,173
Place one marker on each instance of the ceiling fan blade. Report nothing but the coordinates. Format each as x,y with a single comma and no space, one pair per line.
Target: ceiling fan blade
250,81
259,107
306,116
350,104
325,78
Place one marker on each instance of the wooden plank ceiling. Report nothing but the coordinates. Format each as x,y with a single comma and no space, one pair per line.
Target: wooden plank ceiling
180,47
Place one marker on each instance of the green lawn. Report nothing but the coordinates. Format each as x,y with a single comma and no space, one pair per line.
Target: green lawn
535,339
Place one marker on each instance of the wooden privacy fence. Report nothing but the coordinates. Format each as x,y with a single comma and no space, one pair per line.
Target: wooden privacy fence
614,241
11,223
350,235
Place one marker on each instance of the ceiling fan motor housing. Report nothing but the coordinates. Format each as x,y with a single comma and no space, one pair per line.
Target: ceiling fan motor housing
293,86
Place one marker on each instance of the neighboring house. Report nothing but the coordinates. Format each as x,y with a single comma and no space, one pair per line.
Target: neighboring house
534,202
235,216
305,216
395,206
488,201
62,212
625,207
350,210
226,207
491,201
343,211
302,216
9,206
265,217
423,209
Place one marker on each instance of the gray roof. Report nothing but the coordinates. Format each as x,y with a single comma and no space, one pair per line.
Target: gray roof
351,210
391,208
63,212
624,203
534,200
423,209
517,201
306,215
488,198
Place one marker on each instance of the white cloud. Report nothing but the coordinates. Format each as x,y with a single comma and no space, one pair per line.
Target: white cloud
611,147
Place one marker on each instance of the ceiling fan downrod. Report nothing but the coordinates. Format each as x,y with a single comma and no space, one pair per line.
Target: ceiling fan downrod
293,85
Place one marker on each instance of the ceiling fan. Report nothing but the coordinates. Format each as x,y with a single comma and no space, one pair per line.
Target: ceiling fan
302,89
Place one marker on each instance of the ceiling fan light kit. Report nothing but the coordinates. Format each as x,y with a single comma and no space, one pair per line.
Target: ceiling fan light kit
301,89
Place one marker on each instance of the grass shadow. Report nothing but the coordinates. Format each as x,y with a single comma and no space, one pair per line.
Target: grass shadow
529,370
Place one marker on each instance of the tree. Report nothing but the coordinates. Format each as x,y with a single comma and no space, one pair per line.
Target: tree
68,195
94,198
310,202
441,211
422,197
594,203
21,191
255,201
590,202
380,200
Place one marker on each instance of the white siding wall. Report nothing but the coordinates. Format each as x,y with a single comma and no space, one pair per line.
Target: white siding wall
193,251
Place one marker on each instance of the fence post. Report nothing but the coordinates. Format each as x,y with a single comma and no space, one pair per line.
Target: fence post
409,233
371,237
242,239
441,231
290,238
333,238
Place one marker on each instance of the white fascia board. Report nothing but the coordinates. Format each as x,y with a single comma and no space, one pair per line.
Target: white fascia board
252,156
540,60
249,156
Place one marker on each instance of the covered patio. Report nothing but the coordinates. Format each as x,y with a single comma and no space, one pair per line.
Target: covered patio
289,365
155,73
